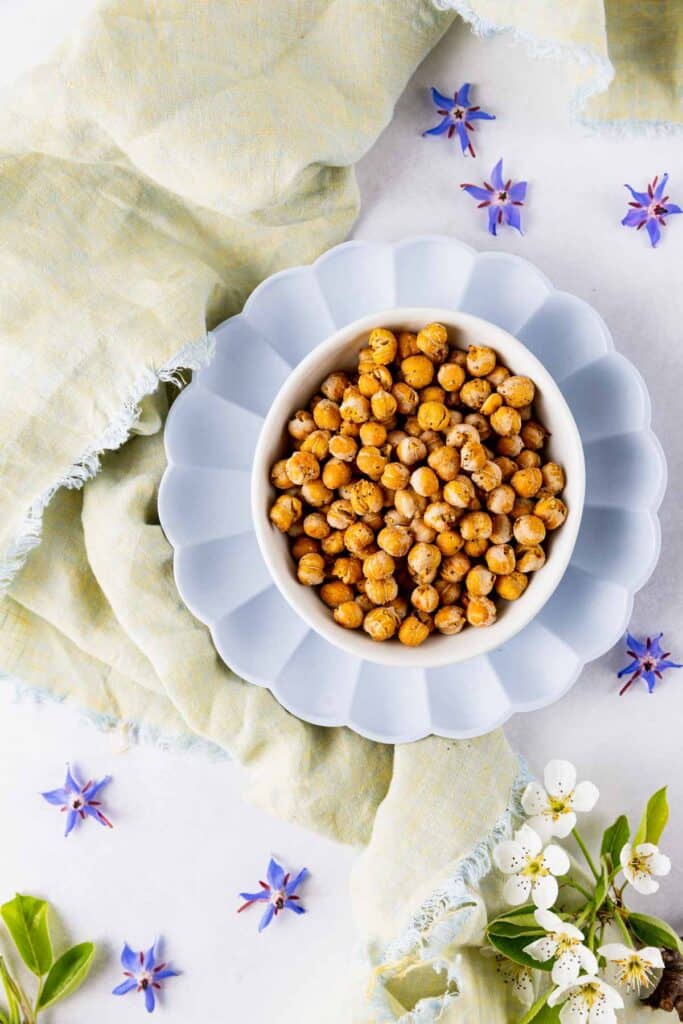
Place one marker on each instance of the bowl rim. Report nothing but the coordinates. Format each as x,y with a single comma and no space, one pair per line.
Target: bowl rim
444,650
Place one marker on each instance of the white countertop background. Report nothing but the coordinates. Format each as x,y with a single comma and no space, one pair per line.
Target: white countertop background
185,839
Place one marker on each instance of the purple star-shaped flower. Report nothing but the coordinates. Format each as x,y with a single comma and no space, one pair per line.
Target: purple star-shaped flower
279,892
144,973
77,800
650,209
649,661
502,198
457,116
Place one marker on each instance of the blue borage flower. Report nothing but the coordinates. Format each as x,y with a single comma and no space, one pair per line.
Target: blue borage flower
77,800
650,209
649,661
457,116
501,198
144,973
279,892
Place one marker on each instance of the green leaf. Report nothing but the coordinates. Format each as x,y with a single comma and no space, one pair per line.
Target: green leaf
548,1015
66,974
26,921
614,838
652,931
513,949
655,817
9,985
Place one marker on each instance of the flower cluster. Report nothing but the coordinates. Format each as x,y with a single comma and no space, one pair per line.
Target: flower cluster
568,941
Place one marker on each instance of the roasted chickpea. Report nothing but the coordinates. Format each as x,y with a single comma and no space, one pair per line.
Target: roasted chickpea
336,474
533,435
395,540
334,386
459,492
382,591
286,511
476,526
326,415
475,392
407,345
492,403
311,570
551,511
530,559
357,537
381,623
512,586
349,429
498,375
422,533
507,466
372,434
409,503
529,530
395,476
383,344
527,482
301,425
355,408
407,398
316,525
374,520
424,481
510,447
425,598
378,566
451,377
448,542
506,421
475,548
340,514
304,545
432,340
501,499
371,462
433,394
488,477
366,497
449,620
423,562
440,516
383,405
473,456
500,559
334,544
479,581
448,592
433,416
432,439
418,371
348,570
517,391
553,477
392,517
481,611
455,567
349,614
302,467
343,448
278,475
460,433
445,462
481,360
401,606
336,593
411,450
528,459
502,529
376,379
317,443
413,632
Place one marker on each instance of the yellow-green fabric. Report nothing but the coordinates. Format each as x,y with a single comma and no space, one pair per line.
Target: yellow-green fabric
168,158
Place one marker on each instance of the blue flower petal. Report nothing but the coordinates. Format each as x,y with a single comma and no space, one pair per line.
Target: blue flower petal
462,96
94,788
493,219
666,663
440,128
635,645
166,973
72,782
463,136
651,680
71,821
442,101
254,897
652,228
659,191
58,797
497,175
629,669
267,917
482,194
151,956
130,960
511,216
294,883
672,208
275,874
634,217
654,647
517,192
480,115
149,999
296,907
126,986
640,197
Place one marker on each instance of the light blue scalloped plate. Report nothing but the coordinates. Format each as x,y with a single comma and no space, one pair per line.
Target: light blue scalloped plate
204,500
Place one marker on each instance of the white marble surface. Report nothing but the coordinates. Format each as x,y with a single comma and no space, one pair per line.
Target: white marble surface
147,875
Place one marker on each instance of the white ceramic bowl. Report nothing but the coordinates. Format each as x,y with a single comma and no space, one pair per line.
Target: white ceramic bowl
564,446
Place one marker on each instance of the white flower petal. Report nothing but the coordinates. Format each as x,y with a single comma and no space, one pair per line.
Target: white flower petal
559,778
660,864
542,949
551,922
564,824
588,960
544,891
523,987
642,882
558,994
615,951
601,1013
571,930
556,860
574,1011
543,826
535,799
516,890
566,968
509,856
611,995
652,956
626,854
646,849
585,797
530,840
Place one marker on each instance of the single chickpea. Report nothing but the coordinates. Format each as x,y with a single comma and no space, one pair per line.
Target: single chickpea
343,448
526,412
530,559
475,549
407,345
459,492
383,405
502,529
377,379
473,456
449,620
407,398
432,340
355,408
411,450
392,517
528,459
340,514
382,591
500,559
366,497
357,537
394,436
517,391
372,434
475,392
424,481
553,477
301,425
422,533
448,592
395,476
278,475
334,386
551,511
533,435
413,632
448,542
349,614
334,544
379,566
431,439
512,586
433,394
491,405
317,443
336,474
488,477
381,623
285,512
384,345
481,611
311,570
326,415
423,562
500,499
455,567
336,593
476,526
417,371
510,447
316,525
480,423
507,466
400,605
349,429
425,598
445,462
506,421
347,569
529,530
498,375
304,545
364,603
302,467
440,516
409,503
371,462
395,540
479,581
481,360
366,361
451,377
412,427
433,416
374,520
527,482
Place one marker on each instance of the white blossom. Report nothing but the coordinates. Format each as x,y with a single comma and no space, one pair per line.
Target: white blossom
641,864
562,942
532,868
518,977
552,809
589,1000
633,969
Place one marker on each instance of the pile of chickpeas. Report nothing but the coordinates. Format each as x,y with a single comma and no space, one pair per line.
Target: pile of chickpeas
416,492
